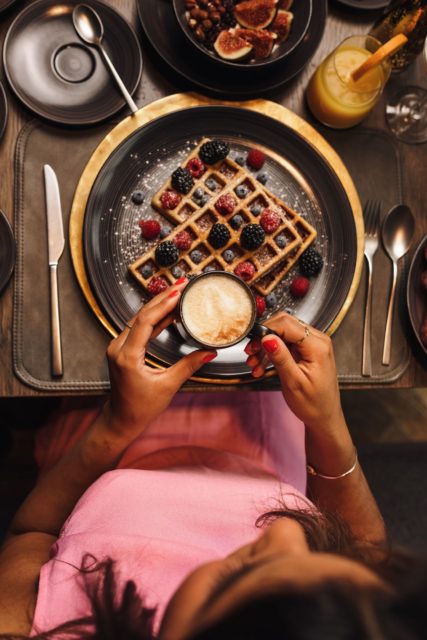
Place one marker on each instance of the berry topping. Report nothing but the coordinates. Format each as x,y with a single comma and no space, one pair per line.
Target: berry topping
208,268
150,229
157,285
280,241
240,160
177,272
245,271
241,191
182,180
146,271
165,231
138,197
299,287
310,263
262,178
195,167
255,159
225,204
270,220
252,237
183,240
260,305
228,255
236,222
204,199
213,151
170,199
256,209
198,194
196,256
271,300
211,184
166,253
219,235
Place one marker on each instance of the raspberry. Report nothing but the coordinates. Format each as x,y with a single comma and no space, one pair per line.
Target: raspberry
255,159
260,305
310,263
149,229
299,287
182,180
252,237
270,220
225,204
166,253
170,199
245,271
157,285
183,240
195,167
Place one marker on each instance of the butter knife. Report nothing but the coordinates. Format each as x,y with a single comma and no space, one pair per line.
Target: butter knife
56,242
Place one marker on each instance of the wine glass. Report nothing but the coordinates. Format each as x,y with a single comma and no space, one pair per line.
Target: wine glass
406,112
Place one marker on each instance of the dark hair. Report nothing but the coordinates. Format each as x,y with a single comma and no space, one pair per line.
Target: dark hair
334,611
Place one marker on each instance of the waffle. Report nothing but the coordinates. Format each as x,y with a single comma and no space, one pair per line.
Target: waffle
271,262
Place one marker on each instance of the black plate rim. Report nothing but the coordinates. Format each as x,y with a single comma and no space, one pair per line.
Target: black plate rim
411,285
6,273
46,114
3,100
319,25
92,267
261,64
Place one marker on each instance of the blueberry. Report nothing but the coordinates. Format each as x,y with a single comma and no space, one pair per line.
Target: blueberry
138,197
146,271
205,199
177,272
198,193
236,222
281,241
228,256
165,231
210,267
262,178
240,160
211,184
241,191
271,300
196,256
256,209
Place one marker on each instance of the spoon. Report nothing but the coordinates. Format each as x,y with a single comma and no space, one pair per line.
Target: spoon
397,231
89,27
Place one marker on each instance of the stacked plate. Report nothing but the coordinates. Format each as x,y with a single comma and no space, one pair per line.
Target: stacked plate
165,31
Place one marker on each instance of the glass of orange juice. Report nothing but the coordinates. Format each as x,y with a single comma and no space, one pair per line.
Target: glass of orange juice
334,97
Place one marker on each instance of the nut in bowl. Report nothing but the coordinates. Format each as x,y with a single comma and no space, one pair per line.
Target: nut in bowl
244,34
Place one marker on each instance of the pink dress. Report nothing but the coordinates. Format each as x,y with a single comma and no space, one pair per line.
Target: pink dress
187,491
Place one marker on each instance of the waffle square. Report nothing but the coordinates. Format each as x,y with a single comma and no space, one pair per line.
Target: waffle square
270,261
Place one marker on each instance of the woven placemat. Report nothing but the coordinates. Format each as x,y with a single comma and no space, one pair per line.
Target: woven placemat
370,157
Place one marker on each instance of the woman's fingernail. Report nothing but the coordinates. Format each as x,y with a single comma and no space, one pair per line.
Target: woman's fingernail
209,357
270,345
181,280
252,347
172,294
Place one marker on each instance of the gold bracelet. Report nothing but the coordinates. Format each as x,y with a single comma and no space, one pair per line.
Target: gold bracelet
312,471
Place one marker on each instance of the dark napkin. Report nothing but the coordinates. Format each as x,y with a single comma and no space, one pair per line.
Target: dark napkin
370,156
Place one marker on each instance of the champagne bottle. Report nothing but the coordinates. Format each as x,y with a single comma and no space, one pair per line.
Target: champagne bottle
410,18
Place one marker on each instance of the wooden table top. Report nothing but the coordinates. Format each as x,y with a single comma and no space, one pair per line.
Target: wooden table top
341,23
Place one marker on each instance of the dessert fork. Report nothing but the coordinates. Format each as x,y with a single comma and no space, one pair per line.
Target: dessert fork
371,216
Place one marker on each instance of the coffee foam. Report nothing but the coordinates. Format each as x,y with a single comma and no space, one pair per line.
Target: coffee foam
217,310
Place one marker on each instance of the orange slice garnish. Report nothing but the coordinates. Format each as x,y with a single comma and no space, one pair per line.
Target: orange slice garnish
386,50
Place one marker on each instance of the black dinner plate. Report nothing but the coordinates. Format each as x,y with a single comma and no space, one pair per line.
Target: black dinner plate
365,5
5,4
7,251
3,110
416,295
112,238
166,37
57,75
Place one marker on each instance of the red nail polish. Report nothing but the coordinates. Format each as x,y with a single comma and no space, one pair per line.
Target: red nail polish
270,345
172,294
181,280
209,357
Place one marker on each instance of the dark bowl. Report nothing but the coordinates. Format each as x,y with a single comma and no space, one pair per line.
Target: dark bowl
302,10
416,296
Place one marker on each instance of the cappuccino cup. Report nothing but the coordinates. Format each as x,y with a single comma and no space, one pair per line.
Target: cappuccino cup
217,310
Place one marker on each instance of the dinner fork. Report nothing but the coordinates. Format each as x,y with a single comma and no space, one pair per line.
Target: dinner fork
371,216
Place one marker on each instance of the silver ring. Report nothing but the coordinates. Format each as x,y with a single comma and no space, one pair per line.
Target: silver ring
307,333
129,326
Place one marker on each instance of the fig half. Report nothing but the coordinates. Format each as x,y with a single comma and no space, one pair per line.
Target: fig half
282,24
262,41
255,14
230,46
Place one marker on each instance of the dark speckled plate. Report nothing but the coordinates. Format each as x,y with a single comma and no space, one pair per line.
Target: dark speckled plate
58,76
7,251
297,173
3,110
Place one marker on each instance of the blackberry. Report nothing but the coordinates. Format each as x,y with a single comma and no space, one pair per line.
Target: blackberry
213,151
310,263
166,253
219,235
271,300
252,236
182,180
236,221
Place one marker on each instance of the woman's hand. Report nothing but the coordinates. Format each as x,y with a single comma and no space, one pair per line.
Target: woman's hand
139,393
304,361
